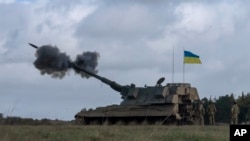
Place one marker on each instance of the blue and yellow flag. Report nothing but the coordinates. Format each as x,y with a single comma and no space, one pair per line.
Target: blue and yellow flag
190,58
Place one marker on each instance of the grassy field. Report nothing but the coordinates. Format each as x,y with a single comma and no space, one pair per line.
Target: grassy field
114,133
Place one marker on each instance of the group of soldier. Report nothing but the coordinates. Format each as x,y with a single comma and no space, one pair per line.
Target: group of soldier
211,110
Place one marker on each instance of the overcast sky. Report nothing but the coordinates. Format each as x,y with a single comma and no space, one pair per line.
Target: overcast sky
135,40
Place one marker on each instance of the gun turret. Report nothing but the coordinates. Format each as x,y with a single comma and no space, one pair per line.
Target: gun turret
112,84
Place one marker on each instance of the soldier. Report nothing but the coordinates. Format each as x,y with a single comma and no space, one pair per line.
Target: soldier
235,110
211,110
201,112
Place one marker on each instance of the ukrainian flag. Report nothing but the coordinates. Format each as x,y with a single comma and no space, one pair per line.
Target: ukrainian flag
190,58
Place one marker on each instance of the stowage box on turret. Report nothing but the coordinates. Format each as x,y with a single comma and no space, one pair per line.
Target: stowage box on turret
173,103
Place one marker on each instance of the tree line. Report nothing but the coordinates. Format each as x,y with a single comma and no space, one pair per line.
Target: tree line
224,104
13,120
223,115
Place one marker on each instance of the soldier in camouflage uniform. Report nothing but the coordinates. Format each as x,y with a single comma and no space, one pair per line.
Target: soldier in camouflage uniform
211,110
235,110
201,113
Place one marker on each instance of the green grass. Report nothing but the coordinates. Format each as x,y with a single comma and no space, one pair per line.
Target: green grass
114,133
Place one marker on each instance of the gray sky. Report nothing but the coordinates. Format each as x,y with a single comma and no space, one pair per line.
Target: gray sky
135,40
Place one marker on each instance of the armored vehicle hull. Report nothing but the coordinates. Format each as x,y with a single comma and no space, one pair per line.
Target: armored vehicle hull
170,104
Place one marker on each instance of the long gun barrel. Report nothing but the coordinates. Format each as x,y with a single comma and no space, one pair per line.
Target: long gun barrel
34,46
112,84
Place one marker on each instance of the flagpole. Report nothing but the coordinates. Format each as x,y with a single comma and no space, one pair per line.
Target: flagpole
189,58
183,66
183,72
173,67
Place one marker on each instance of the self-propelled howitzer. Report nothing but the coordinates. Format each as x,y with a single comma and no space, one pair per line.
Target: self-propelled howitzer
173,103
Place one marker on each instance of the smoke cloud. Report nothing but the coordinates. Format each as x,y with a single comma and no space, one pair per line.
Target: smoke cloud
52,62
88,61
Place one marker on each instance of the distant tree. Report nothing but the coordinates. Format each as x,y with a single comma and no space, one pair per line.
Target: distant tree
244,104
223,106
1,118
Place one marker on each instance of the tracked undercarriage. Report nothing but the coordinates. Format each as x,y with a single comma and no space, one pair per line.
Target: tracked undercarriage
136,115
